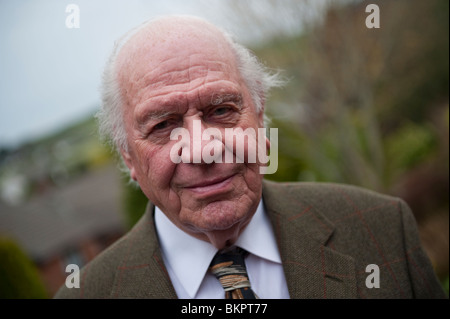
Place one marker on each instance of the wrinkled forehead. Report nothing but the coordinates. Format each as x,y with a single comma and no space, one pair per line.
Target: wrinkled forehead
172,41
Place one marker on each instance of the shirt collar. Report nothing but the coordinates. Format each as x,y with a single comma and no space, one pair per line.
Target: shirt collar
189,257
258,237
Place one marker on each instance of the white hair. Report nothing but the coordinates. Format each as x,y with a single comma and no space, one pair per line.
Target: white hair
258,78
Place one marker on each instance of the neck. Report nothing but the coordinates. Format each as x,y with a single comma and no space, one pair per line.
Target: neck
222,239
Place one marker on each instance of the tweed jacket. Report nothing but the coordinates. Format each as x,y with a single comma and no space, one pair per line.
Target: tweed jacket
327,235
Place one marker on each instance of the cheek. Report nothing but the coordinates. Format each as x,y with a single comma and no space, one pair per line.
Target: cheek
154,165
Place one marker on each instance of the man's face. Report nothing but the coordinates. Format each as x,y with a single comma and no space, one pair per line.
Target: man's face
169,84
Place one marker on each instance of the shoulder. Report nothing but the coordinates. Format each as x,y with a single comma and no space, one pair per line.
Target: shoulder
369,227
333,198
97,277
319,189
356,214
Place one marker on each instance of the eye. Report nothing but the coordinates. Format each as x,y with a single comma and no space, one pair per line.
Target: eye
224,114
161,125
222,110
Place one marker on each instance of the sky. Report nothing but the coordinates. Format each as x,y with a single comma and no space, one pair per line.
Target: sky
50,74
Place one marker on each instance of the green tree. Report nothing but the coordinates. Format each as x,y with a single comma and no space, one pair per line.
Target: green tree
19,278
134,201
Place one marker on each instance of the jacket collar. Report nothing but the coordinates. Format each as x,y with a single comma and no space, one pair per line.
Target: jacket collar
312,269
141,273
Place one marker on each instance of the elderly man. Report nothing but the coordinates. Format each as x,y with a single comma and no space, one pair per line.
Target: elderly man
215,229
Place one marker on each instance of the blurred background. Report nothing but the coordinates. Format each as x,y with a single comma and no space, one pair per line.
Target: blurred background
363,106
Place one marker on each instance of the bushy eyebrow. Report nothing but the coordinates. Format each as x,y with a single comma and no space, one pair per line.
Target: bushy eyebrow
217,99
154,116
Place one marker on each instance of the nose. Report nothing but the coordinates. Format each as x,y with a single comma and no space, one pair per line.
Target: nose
206,145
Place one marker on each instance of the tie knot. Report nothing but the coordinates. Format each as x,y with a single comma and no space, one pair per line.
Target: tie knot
229,268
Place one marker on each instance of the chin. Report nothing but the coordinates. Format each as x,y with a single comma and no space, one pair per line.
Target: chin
219,216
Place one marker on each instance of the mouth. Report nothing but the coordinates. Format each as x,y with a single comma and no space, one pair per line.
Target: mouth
211,187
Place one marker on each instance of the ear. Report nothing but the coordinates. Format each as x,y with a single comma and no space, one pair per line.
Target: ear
129,162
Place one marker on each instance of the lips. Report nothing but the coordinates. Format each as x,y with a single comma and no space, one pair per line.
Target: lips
212,186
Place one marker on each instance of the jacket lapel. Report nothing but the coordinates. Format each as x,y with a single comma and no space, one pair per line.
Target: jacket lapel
142,273
312,269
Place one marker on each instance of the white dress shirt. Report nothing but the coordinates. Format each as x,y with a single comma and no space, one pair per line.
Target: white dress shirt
187,259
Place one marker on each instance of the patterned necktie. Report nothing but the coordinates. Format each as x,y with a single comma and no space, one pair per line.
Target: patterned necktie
229,269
